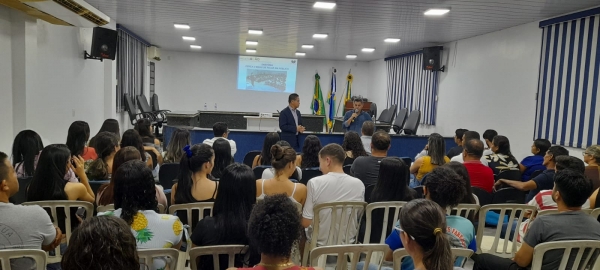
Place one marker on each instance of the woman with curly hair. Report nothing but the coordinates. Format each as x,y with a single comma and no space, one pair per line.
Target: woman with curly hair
353,146
310,153
274,228
94,244
135,202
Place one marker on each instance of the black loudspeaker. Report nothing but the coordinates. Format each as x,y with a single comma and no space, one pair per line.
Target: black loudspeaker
432,57
104,43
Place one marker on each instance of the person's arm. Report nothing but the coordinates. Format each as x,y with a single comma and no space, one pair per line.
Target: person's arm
347,119
369,118
300,194
283,123
593,199
307,211
421,154
156,141
233,147
173,191
414,168
56,238
524,256
161,198
298,161
522,167
159,157
86,194
523,186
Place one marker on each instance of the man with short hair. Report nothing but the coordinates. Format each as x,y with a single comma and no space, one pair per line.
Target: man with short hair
367,130
366,168
458,139
544,180
221,131
467,136
354,119
481,175
570,191
488,136
290,122
22,227
333,186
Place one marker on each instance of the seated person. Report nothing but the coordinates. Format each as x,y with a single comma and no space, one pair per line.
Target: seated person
368,128
26,148
264,158
502,159
269,173
481,176
458,139
366,168
534,163
435,157
591,157
488,137
221,131
467,136
570,191
283,164
310,153
174,151
542,181
107,145
353,146
193,184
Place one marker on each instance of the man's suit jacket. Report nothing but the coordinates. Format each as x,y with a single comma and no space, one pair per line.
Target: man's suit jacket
288,126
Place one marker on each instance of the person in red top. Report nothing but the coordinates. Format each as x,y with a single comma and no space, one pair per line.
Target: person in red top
481,176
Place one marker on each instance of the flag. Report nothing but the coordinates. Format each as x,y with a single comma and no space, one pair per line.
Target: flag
349,79
318,106
331,101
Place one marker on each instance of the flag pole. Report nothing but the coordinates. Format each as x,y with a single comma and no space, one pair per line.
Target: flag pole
344,100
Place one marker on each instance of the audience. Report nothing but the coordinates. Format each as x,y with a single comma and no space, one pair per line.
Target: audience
544,180
109,125
366,168
591,157
461,170
174,151
368,128
23,227
467,136
77,138
481,176
144,128
221,131
193,184
570,191
458,139
264,158
502,159
488,137
135,202
534,163
229,222
353,146
107,145
223,157
132,138
101,243
26,148
435,157
333,186
269,173
310,153
283,163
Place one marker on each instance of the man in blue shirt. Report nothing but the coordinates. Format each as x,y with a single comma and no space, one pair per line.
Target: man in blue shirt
354,119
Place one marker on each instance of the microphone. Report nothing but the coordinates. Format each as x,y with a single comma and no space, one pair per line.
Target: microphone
355,111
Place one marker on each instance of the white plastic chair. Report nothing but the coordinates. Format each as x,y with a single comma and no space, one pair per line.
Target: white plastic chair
110,207
387,207
38,256
147,257
65,207
189,208
317,258
504,251
464,210
345,220
595,213
230,250
400,253
586,249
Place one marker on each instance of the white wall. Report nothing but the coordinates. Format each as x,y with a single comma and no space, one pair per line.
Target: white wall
186,80
6,132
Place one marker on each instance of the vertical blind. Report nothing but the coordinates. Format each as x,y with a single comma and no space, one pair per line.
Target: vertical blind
412,87
131,66
567,99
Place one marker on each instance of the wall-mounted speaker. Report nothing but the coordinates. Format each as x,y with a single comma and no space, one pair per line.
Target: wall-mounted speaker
104,43
432,58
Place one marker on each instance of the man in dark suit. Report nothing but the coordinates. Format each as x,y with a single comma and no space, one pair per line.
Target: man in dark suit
290,122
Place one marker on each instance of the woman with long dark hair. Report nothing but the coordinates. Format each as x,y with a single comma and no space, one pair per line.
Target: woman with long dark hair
436,156
284,168
229,223
135,202
193,184
310,153
109,125
223,157
144,128
26,147
392,183
502,159
353,146
107,145
132,138
265,155
174,152
77,138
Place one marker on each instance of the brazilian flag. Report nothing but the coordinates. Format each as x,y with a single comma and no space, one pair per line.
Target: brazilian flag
317,106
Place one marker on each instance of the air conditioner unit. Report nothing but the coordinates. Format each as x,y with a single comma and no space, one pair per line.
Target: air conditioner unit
153,53
74,12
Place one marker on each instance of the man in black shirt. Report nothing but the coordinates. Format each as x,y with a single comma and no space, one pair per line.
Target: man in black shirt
367,168
458,139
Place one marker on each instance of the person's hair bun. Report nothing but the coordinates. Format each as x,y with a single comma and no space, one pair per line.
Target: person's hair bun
277,152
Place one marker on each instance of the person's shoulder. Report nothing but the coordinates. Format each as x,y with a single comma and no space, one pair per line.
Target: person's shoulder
458,221
32,210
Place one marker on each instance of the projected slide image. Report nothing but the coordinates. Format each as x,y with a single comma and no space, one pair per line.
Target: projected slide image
266,79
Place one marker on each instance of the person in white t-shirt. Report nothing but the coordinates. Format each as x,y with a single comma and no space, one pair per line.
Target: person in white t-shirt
488,137
221,131
333,186
467,136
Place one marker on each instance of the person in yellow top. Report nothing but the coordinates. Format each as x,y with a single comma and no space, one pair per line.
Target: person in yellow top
436,156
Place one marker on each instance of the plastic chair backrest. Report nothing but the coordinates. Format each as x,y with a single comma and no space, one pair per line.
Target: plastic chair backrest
387,208
258,171
484,197
65,206
154,103
21,195
96,184
509,175
110,207
348,169
368,190
215,251
352,251
595,213
38,255
584,253
412,123
249,157
147,257
514,212
167,173
508,195
401,253
464,210
143,103
309,173
407,161
189,208
384,115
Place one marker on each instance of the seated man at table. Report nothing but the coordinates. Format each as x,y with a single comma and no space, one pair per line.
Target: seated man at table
221,131
354,119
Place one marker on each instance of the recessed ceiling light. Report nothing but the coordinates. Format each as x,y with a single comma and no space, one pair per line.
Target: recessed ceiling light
351,56
392,40
189,38
368,49
324,5
255,32
308,46
436,11
250,50
300,54
196,47
248,42
182,26
319,35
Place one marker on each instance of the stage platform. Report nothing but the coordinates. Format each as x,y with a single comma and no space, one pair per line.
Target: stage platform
402,145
